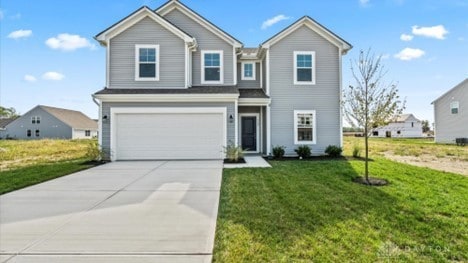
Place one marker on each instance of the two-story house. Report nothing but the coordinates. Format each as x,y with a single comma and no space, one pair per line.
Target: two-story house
179,87
403,126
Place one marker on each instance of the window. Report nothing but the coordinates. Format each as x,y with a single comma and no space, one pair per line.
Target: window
248,70
398,132
454,105
147,62
412,124
212,67
35,119
28,133
304,127
87,133
304,67
37,133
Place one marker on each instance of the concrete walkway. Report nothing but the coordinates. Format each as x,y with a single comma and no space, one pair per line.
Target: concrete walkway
155,211
252,161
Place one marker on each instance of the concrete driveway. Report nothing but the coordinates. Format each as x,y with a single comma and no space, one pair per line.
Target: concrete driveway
152,211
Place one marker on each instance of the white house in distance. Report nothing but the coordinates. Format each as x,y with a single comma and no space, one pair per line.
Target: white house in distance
405,126
451,114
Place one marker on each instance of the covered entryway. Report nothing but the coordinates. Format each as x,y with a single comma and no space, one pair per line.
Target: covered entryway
168,133
249,126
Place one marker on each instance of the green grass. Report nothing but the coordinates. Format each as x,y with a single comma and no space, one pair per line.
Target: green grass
303,211
408,147
26,176
25,163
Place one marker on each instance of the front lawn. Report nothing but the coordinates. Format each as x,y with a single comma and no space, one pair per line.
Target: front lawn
311,211
24,163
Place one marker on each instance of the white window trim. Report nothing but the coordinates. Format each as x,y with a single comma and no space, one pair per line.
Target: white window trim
314,126
253,70
221,67
454,105
137,62
313,68
35,119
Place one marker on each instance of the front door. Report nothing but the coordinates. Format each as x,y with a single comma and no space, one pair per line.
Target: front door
249,133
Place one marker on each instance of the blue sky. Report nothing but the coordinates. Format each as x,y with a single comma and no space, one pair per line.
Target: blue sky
48,55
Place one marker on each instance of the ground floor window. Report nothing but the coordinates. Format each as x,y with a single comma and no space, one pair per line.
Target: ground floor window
87,133
28,133
304,127
38,133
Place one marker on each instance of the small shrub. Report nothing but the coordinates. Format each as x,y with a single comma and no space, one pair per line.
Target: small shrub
94,153
333,151
357,151
303,151
233,152
278,151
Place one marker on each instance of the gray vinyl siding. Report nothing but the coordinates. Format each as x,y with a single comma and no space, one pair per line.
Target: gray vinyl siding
323,97
50,127
147,32
206,41
450,126
106,110
248,83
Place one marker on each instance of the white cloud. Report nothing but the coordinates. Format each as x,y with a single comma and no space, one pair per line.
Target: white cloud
30,78
364,2
405,37
410,53
52,75
437,32
268,23
20,34
68,42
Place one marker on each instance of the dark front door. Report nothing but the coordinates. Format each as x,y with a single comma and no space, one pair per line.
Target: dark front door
249,133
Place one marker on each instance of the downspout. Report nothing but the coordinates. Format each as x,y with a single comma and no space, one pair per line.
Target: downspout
99,122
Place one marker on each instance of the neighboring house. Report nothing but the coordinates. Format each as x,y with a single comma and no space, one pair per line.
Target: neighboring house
405,126
179,87
3,123
451,114
49,122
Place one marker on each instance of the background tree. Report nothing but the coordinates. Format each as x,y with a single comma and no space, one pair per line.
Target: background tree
8,112
425,126
370,102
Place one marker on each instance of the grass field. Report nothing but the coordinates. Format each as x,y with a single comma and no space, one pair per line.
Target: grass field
408,147
310,211
24,163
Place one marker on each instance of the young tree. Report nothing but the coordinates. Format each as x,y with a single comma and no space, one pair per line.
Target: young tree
371,101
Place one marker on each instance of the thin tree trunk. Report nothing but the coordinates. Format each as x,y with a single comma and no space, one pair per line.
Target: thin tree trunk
367,156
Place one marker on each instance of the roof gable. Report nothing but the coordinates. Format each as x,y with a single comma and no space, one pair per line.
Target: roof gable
314,26
175,4
136,17
464,83
74,119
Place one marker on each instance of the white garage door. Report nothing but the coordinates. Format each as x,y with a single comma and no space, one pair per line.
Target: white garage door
140,136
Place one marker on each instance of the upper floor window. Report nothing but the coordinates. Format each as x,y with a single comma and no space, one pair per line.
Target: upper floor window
454,105
304,67
147,62
248,70
212,67
304,127
35,119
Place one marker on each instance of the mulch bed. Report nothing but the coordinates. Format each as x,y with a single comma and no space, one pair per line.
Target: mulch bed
241,160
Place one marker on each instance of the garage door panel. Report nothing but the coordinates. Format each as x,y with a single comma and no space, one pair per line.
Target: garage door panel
169,136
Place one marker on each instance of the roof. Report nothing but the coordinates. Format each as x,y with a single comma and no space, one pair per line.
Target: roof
404,117
461,84
191,90
72,118
5,121
252,93
163,9
133,18
314,25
